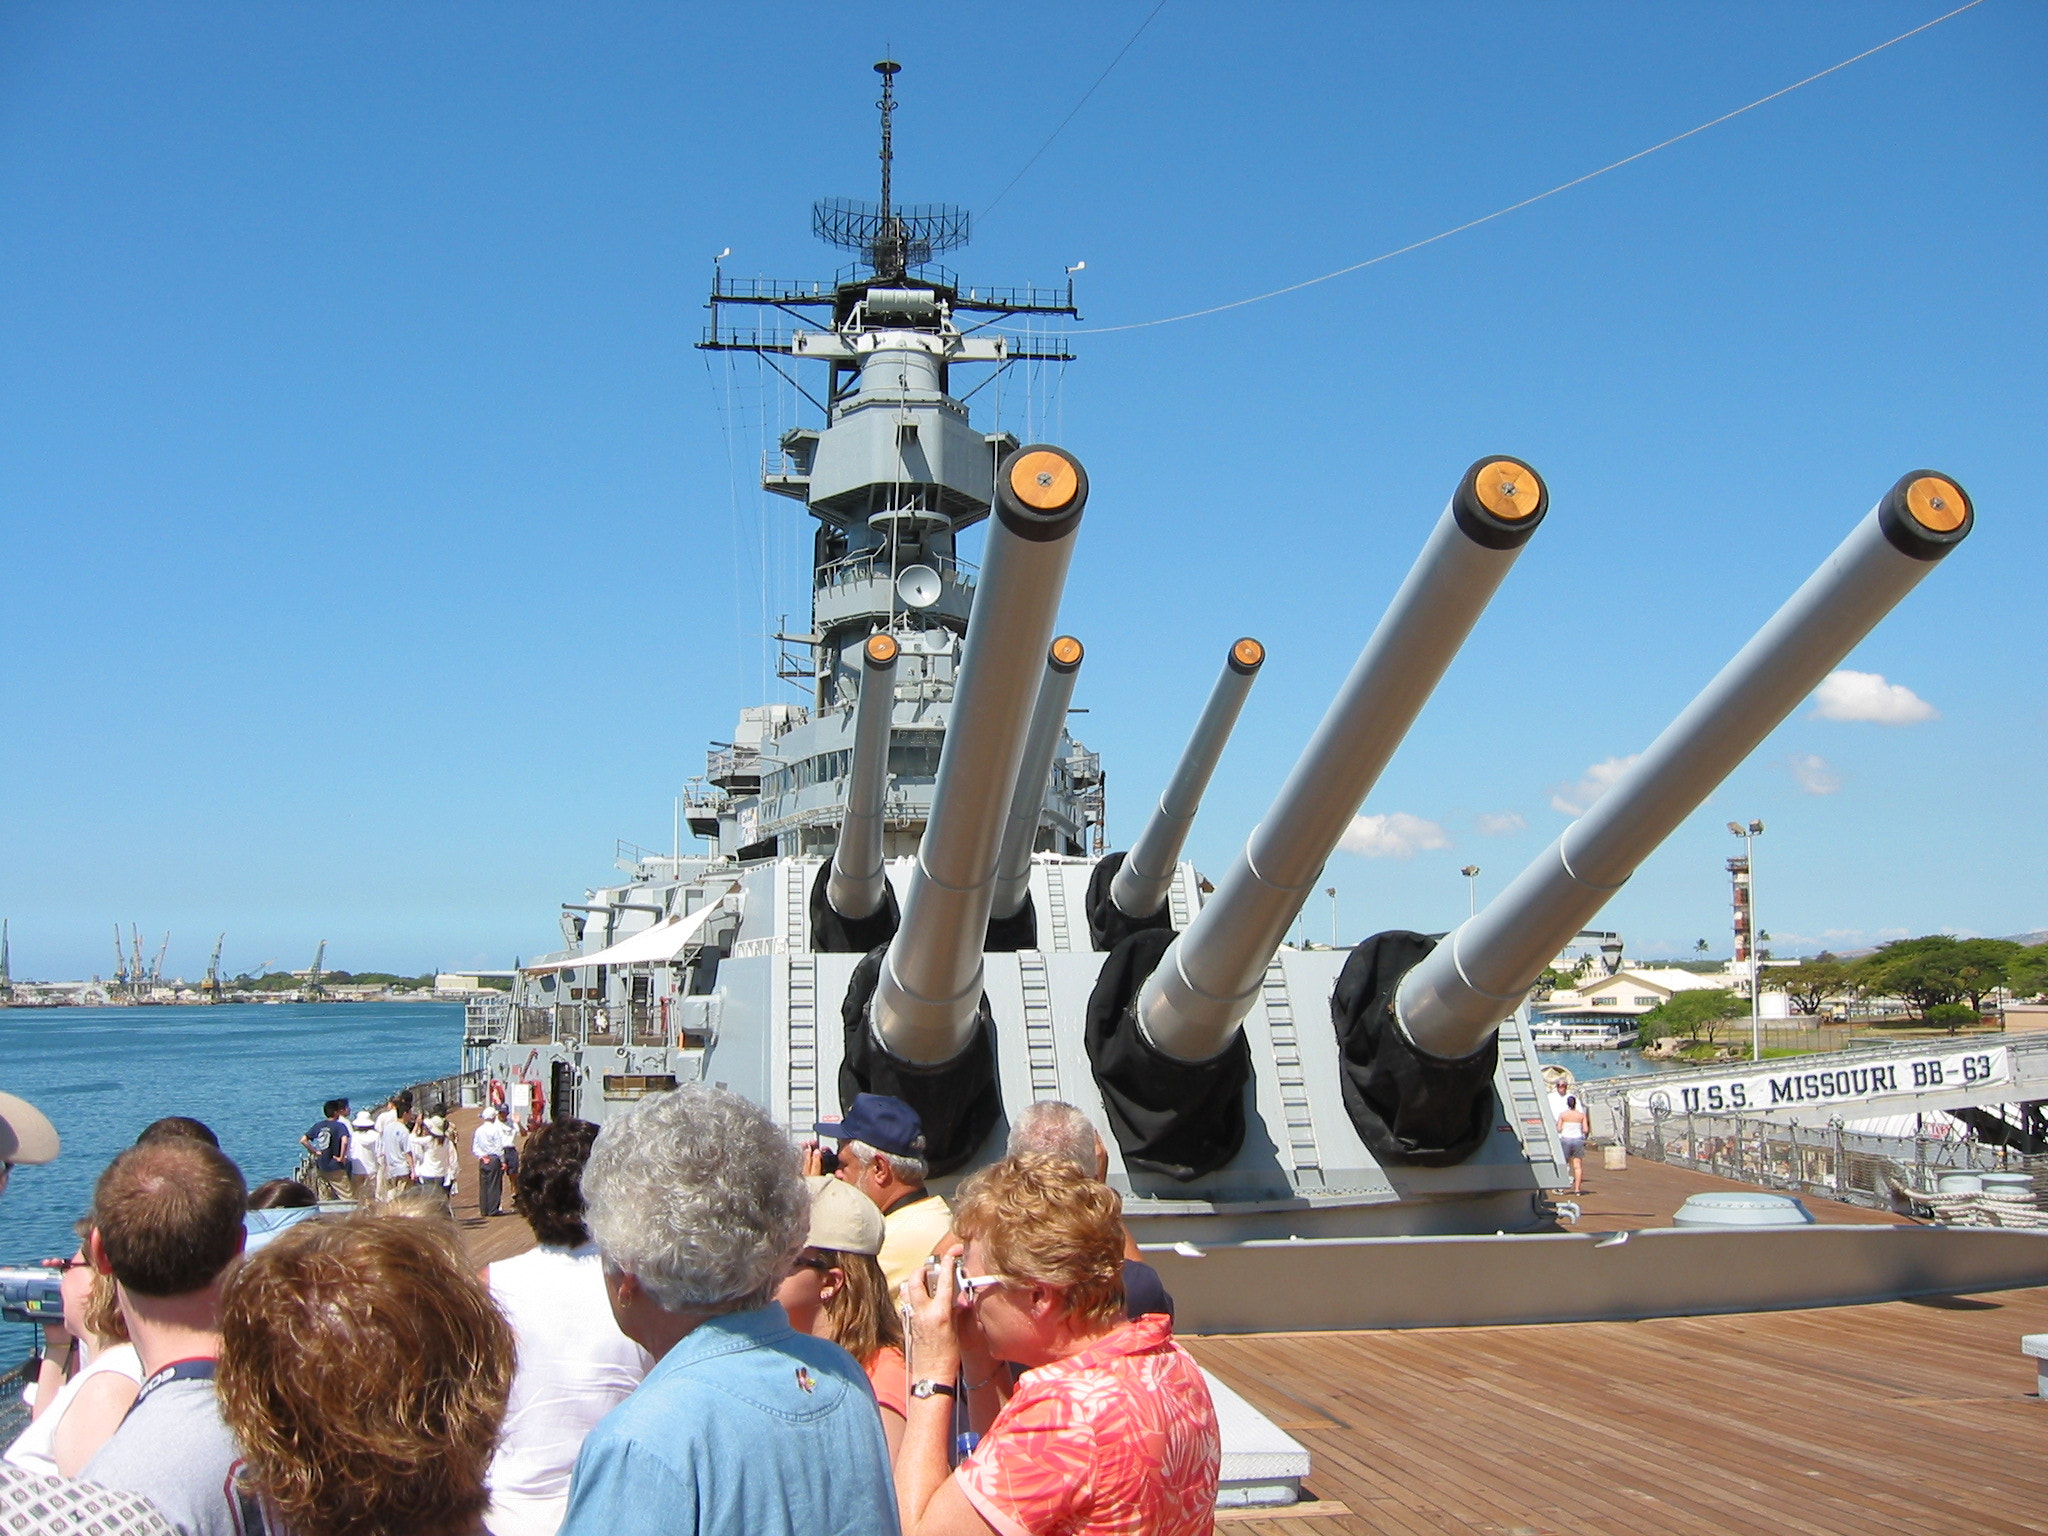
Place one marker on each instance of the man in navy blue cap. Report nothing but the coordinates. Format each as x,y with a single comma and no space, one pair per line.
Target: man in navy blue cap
881,1154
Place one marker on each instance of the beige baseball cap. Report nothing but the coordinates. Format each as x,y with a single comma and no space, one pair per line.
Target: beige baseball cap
842,1218
26,1135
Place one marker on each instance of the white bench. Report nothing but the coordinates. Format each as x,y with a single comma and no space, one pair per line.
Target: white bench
1263,1465
2036,1345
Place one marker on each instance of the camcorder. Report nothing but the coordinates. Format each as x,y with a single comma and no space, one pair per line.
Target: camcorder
31,1295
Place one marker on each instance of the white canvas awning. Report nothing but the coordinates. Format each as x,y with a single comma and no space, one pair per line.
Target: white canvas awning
650,946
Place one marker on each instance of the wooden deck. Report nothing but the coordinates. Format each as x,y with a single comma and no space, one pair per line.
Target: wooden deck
1901,1419
1891,1420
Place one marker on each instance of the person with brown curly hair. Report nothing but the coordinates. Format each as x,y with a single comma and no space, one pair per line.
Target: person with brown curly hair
364,1371
1111,1429
574,1364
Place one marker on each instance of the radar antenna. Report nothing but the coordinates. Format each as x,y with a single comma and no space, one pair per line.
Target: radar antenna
890,239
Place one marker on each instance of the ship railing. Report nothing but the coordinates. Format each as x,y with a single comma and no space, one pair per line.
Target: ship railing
1830,1162
486,1021
871,565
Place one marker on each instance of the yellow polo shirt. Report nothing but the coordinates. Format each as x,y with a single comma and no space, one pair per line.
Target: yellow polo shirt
909,1234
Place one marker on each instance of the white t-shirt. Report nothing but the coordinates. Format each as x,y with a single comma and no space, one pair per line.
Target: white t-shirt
392,1139
574,1368
362,1150
433,1158
33,1449
491,1139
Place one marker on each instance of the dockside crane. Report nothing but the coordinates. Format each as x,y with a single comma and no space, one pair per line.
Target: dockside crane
313,991
156,969
120,961
210,988
135,971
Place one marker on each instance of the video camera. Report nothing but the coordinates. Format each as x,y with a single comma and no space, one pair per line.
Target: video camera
31,1295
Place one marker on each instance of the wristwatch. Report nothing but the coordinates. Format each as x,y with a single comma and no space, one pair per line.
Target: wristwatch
926,1387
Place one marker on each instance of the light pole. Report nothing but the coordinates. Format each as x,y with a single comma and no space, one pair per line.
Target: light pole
1471,874
1331,892
1747,931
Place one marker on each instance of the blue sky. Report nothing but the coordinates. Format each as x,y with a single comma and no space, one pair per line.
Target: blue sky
378,548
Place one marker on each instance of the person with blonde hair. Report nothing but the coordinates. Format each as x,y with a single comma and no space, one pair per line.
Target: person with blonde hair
836,1291
86,1409
1111,1429
364,1370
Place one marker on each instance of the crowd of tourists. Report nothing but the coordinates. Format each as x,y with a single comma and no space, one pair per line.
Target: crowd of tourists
716,1331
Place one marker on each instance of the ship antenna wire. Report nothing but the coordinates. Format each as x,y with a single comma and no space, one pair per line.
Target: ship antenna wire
991,208
1563,186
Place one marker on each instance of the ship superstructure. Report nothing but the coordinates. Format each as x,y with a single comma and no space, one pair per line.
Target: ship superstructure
905,890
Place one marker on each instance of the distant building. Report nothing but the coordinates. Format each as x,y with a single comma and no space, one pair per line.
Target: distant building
467,983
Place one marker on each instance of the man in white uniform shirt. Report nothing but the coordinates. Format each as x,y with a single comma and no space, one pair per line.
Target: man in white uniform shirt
488,1146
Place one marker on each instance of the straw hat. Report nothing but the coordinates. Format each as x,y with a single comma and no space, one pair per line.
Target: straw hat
26,1135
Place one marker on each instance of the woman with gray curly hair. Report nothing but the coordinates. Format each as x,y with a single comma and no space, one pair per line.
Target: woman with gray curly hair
743,1424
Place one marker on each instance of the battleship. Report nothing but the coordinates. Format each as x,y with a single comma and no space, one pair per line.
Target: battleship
905,890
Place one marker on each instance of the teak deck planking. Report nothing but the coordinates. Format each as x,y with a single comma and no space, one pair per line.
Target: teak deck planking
1900,1419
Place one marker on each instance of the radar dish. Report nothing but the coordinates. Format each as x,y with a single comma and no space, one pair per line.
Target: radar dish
919,586
889,242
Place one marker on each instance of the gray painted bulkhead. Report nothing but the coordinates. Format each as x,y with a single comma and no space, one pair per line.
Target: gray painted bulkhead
773,1019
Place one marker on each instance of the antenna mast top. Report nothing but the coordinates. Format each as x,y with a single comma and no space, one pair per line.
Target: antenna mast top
889,242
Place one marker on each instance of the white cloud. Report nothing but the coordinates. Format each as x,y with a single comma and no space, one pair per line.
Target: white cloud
1396,835
1573,799
1814,773
1846,695
1500,823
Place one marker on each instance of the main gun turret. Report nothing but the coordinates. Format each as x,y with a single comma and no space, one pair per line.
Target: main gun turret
917,1025
1170,1060
1416,1021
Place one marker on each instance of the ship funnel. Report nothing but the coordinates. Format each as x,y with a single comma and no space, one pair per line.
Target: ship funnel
1027,802
926,1007
1143,876
1173,1070
1453,1000
857,886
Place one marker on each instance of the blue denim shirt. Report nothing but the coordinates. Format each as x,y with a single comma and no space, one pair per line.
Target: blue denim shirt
746,1427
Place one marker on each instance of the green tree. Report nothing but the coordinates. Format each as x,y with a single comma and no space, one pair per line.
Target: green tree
1926,971
1951,1016
1813,982
1691,1015
1983,966
2027,972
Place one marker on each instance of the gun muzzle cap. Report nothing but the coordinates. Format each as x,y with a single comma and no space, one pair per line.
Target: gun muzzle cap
1926,515
1500,501
881,650
1066,654
1040,491
1247,656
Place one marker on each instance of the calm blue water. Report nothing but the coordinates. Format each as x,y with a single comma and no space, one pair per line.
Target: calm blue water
1590,1066
255,1072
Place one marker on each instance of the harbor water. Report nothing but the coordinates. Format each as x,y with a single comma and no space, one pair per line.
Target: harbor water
256,1073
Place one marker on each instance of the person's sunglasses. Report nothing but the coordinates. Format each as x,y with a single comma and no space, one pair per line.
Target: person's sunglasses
971,1288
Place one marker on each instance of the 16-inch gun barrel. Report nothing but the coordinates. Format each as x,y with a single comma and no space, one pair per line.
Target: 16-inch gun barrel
928,992
1027,802
1192,1002
1142,881
1453,1000
859,881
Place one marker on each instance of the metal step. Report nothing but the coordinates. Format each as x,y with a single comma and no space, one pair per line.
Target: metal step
1040,1049
1287,1074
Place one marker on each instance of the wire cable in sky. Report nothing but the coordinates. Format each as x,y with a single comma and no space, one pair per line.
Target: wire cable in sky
1564,186
991,208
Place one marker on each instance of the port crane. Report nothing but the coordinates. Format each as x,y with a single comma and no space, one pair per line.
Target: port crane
120,961
313,990
210,988
156,969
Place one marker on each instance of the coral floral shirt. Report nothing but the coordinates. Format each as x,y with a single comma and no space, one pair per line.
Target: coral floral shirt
1118,1440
